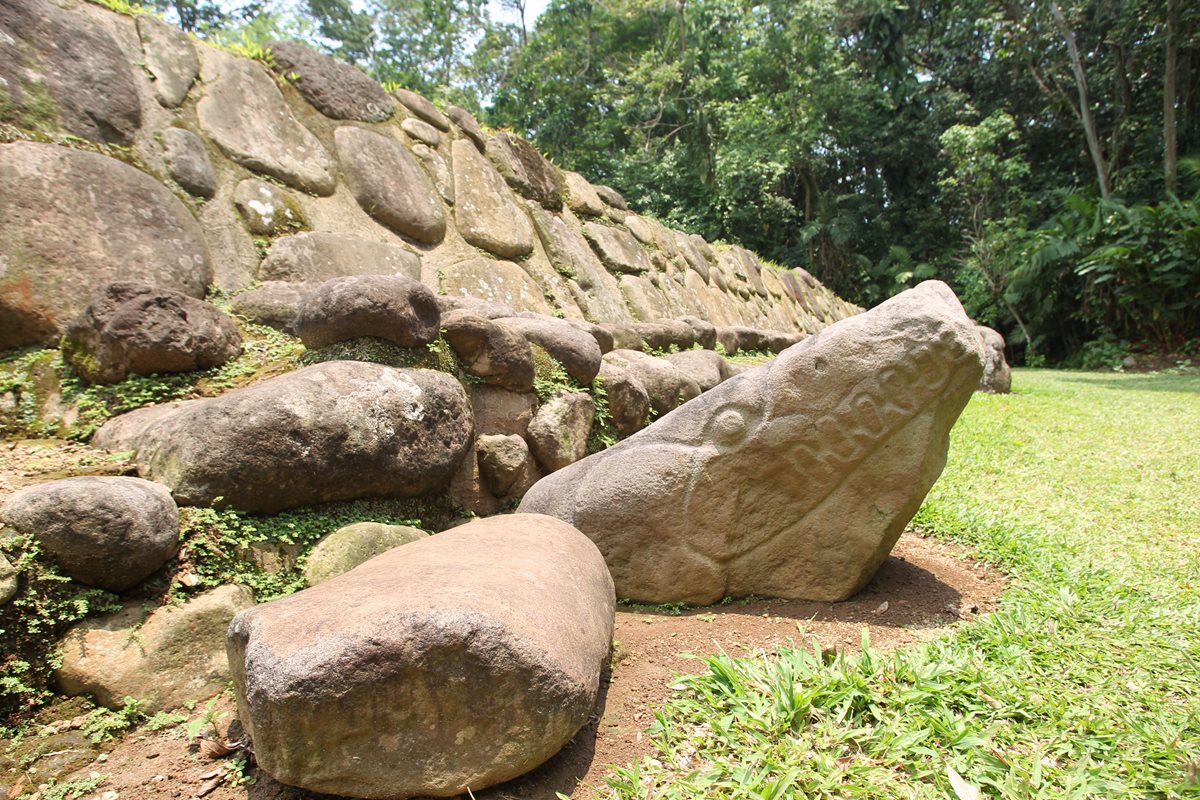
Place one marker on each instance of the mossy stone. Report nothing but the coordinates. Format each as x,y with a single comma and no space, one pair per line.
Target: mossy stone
346,548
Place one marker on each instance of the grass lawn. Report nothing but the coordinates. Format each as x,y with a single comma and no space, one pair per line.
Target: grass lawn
1086,683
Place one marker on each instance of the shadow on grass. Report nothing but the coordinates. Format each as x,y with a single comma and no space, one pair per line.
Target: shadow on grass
1147,382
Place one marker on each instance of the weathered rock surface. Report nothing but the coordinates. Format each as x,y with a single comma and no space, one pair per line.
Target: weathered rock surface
103,531
467,123
437,167
333,431
187,160
336,89
452,663
245,114
494,353
171,657
346,548
389,184
793,480
501,411
705,367
421,131
422,108
526,170
487,213
997,375
275,304
558,434
134,329
122,433
628,400
169,57
594,288
267,209
575,349
617,249
389,307
502,460
320,256
50,68
78,221
612,197
581,195
501,282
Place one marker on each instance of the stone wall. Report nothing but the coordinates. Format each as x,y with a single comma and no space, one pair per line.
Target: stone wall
133,152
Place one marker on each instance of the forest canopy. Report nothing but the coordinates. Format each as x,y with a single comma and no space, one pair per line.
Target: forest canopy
1039,156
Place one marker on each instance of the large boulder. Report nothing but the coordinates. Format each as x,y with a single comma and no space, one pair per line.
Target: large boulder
997,375
389,307
336,89
347,547
275,304
245,114
172,656
793,480
333,431
389,184
72,221
617,249
134,329
444,666
58,73
487,213
107,532
320,256
499,282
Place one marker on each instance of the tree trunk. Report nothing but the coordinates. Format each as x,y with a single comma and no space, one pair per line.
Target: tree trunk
1085,106
1170,130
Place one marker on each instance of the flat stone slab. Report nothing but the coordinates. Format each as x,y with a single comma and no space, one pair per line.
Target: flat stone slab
320,256
336,89
792,480
245,114
617,249
486,211
389,184
449,664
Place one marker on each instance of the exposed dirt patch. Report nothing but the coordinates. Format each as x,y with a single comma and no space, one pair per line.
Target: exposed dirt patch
926,586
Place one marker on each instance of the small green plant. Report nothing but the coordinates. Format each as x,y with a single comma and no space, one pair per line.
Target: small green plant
124,7
72,790
603,434
208,722
103,724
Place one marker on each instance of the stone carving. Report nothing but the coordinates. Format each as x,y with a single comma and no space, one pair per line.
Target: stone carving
793,480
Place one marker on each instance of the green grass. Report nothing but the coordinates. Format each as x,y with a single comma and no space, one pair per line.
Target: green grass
1085,683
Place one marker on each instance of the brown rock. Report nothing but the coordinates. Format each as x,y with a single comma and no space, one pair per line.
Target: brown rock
792,480
487,213
502,461
500,282
558,435
389,184
422,108
500,411
266,209
446,665
490,351
576,350
347,547
526,170
320,256
467,123
337,90
389,307
997,375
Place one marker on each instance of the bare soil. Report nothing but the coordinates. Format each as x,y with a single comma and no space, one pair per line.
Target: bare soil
923,587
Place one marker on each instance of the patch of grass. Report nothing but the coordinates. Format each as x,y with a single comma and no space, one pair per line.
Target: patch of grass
1084,684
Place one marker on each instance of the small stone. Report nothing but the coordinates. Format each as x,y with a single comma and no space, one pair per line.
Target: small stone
187,160
421,131
467,123
558,435
492,352
617,249
501,282
422,108
612,197
8,580
170,59
526,170
275,304
438,169
997,375
267,209
581,195
502,461
349,546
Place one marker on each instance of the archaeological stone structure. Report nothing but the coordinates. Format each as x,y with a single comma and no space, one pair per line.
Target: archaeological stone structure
249,289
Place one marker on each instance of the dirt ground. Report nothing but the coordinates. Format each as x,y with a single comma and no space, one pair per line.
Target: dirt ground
921,589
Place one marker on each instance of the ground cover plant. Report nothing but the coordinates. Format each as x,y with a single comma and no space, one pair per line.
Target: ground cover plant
1086,681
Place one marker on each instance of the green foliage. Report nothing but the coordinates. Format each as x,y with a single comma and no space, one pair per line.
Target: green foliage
33,377
549,376
72,790
436,355
103,724
1080,487
46,604
123,6
209,720
603,434
219,545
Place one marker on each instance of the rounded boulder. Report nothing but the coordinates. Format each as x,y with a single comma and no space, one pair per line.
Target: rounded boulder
450,664
390,307
108,532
